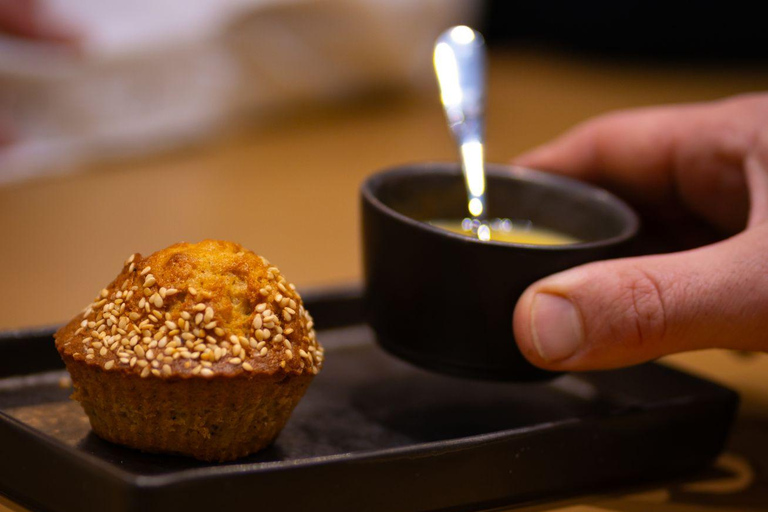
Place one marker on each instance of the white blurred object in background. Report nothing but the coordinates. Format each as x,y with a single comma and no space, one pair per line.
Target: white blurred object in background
153,74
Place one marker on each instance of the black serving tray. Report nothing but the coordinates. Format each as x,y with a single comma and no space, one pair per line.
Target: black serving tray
372,433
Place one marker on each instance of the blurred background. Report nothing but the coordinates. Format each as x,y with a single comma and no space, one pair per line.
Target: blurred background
128,126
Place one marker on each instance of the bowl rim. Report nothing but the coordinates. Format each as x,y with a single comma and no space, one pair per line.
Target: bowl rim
627,215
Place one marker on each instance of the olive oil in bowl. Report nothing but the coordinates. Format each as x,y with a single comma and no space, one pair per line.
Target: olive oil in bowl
504,230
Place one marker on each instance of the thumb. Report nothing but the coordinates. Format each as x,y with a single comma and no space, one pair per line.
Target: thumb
622,312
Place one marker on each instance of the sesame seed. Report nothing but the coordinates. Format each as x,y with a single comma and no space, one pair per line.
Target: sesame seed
206,372
108,365
171,291
219,331
302,353
235,360
156,373
192,290
247,367
263,351
158,302
199,307
208,314
150,281
145,372
289,354
210,325
210,339
257,321
166,369
261,307
278,338
170,325
145,271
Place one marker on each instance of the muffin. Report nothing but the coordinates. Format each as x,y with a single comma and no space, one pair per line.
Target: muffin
199,349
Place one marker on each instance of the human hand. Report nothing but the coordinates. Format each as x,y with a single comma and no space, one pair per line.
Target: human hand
25,18
708,159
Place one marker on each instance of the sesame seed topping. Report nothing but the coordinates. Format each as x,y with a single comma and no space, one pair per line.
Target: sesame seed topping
149,330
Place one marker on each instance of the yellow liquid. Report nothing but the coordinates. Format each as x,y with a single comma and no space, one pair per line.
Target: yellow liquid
516,235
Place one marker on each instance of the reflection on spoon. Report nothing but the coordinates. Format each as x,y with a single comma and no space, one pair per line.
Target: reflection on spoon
459,60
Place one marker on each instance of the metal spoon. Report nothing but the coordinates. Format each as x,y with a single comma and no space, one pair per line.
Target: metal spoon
459,59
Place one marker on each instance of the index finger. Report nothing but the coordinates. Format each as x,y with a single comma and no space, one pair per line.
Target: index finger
684,154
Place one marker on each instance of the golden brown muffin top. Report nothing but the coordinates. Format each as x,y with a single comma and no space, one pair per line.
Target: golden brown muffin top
206,309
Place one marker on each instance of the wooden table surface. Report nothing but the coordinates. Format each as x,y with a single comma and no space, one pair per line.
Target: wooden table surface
286,187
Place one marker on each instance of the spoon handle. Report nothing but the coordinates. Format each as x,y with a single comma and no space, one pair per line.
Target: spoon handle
459,59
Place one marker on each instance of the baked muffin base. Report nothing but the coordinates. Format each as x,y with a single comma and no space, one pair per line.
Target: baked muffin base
213,420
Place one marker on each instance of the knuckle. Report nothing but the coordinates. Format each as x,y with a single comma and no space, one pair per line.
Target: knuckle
644,306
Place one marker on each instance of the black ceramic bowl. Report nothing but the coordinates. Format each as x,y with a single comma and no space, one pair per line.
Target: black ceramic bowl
444,301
